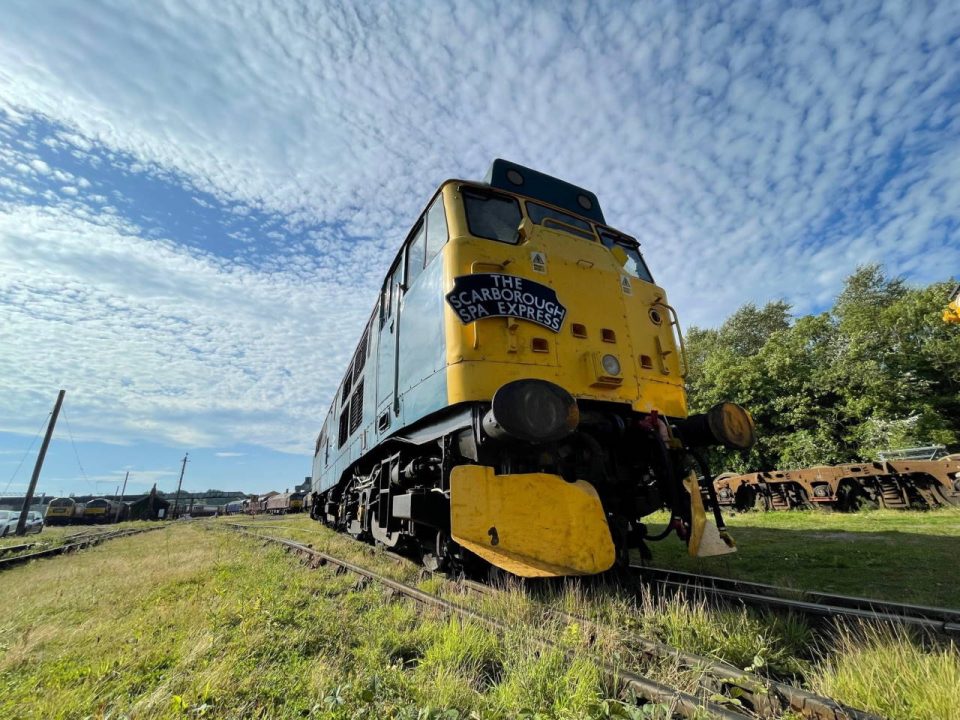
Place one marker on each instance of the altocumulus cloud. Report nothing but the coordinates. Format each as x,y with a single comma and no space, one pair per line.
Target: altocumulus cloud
757,151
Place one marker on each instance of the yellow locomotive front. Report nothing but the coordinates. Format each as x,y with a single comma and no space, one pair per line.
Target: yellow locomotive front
555,323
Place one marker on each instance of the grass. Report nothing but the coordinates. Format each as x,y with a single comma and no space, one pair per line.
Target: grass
903,556
887,673
195,622
784,648
737,636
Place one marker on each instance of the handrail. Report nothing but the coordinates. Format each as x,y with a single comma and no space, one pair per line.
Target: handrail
675,323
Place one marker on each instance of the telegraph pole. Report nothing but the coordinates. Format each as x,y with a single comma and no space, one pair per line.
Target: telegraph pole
183,469
122,492
22,523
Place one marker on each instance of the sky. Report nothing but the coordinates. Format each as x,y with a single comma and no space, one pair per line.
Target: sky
198,200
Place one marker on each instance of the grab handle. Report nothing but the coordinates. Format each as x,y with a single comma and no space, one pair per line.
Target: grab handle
675,324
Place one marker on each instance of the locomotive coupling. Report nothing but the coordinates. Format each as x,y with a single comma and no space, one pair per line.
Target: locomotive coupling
725,424
535,411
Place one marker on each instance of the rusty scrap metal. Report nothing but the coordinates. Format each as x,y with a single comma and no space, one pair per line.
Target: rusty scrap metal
895,484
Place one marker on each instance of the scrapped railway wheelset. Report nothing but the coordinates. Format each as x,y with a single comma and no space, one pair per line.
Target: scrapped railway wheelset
891,484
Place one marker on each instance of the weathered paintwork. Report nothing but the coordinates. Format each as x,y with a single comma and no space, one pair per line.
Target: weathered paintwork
524,523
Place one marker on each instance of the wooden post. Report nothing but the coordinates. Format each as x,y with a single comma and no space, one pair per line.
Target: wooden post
22,523
120,499
176,501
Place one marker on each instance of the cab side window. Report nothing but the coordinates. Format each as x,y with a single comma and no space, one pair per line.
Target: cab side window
436,228
415,253
388,299
396,285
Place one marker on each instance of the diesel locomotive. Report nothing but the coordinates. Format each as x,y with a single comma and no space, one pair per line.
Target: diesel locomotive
63,511
516,399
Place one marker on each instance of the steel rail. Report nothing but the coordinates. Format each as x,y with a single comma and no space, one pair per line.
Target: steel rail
943,621
687,705
71,547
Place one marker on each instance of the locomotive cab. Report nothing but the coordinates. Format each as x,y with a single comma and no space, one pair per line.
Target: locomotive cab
519,392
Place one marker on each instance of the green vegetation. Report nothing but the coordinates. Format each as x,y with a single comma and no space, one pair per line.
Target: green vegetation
926,684
194,621
785,648
904,556
736,636
879,370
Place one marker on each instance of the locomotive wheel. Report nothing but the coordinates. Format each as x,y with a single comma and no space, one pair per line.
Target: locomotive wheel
434,556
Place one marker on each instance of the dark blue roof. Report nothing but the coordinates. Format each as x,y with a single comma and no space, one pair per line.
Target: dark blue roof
511,177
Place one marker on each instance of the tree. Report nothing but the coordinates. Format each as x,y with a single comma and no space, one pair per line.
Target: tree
880,369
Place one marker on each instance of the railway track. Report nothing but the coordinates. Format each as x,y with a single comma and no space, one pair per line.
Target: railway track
16,548
73,545
758,696
813,604
86,533
941,621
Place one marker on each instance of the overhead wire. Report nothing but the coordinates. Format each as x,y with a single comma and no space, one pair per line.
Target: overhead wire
27,452
76,453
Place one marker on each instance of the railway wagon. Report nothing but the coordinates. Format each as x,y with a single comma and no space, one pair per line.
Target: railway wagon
63,511
102,510
234,508
204,510
283,503
257,505
516,398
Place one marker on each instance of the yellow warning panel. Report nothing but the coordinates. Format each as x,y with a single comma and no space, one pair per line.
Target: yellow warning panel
532,525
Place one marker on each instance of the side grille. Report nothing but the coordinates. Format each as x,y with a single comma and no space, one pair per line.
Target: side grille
356,408
361,357
347,382
344,419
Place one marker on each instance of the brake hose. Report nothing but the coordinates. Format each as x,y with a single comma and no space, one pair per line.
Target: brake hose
674,501
711,490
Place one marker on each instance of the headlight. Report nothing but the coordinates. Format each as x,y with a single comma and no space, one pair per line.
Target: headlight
611,365
532,410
